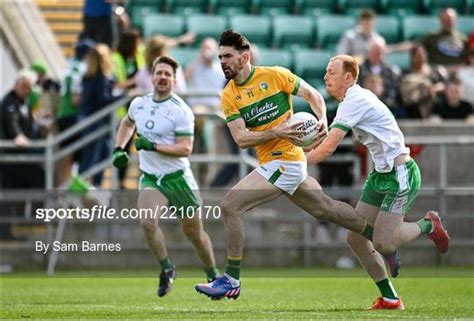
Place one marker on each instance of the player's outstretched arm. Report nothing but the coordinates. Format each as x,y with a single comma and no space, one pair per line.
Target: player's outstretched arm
246,139
315,100
327,147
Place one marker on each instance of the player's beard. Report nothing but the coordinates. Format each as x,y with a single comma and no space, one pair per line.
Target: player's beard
231,73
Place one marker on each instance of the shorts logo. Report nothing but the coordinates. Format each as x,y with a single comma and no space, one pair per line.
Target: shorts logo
263,87
150,124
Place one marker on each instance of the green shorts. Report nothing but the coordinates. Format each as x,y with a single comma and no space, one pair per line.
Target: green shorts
395,191
179,188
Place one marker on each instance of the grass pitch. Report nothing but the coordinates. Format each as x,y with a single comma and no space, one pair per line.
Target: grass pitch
266,294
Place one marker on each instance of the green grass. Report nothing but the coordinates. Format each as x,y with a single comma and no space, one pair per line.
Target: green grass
446,294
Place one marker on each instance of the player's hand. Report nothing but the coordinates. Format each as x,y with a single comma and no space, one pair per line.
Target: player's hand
120,158
289,132
322,134
317,141
143,143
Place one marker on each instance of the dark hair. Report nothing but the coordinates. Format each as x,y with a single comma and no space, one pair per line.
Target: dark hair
165,60
128,43
234,39
367,14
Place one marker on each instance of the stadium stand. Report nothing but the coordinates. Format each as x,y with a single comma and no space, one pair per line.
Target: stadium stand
327,38
168,25
466,24
231,8
353,7
311,65
256,28
206,26
274,7
275,57
399,58
401,7
292,31
388,27
416,26
184,55
435,6
187,7
316,7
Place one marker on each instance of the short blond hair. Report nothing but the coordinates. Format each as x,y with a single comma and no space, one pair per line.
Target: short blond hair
349,64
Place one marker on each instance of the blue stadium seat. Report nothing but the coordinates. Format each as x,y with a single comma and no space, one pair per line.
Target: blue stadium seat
184,55
435,6
168,25
417,26
206,26
329,29
275,57
255,28
139,12
311,65
352,7
389,28
317,7
401,8
188,7
399,58
289,31
231,8
274,7
466,24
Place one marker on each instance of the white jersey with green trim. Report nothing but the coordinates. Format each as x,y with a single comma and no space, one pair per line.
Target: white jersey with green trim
161,122
374,126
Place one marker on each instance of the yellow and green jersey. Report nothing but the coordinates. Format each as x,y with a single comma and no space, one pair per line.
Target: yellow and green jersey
263,101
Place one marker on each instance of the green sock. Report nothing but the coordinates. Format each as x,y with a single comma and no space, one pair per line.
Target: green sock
386,289
367,232
166,264
233,268
425,226
211,272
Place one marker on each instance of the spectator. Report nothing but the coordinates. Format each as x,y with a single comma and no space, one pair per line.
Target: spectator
205,75
446,46
466,76
390,74
420,85
450,105
355,42
44,94
127,60
98,22
19,126
71,89
157,46
97,87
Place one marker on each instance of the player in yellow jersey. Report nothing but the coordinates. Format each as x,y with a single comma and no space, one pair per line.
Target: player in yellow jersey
257,105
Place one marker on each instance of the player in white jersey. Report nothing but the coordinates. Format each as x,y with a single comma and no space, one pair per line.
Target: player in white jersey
390,190
165,127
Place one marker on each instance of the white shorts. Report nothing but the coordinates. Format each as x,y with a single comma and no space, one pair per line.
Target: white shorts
287,176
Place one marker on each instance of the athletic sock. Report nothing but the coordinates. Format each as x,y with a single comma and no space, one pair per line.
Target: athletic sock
211,272
166,264
387,290
367,232
233,267
425,226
